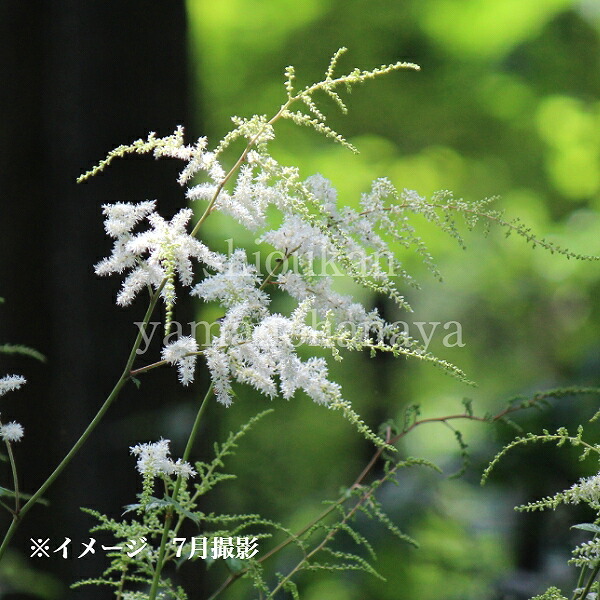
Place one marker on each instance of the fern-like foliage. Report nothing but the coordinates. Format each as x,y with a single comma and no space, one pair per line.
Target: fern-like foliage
257,347
316,231
586,555
129,570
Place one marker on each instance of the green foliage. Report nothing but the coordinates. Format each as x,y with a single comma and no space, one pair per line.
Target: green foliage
314,542
586,491
526,135
551,593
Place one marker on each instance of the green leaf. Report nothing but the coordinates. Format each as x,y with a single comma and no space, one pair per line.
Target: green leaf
136,382
168,501
587,527
162,503
468,404
235,565
130,508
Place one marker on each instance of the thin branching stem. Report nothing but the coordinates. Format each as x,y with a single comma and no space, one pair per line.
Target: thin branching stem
590,582
170,514
125,376
13,468
145,369
8,508
236,166
390,440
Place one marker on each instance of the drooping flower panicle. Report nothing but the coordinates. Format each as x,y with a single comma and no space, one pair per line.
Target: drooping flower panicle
180,353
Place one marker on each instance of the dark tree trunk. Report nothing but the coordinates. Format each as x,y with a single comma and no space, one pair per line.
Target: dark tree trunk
78,78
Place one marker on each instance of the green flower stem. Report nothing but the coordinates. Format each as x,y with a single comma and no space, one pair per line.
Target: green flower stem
278,263
125,376
581,578
236,166
579,582
169,515
121,587
331,83
196,426
160,363
339,502
141,370
13,467
593,576
235,576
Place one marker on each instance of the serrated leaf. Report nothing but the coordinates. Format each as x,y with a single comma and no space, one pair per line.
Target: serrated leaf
161,503
181,510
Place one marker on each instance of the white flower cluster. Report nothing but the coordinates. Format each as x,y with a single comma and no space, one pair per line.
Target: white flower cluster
236,283
300,238
253,345
249,200
180,353
259,348
586,554
153,256
585,490
267,360
344,309
153,460
9,383
11,432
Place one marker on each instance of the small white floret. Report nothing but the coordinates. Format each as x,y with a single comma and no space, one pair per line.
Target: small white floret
179,353
11,432
153,460
183,469
8,383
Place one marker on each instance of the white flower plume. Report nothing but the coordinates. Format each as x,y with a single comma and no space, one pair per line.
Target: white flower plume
178,353
162,252
11,432
236,282
153,460
262,352
298,236
586,490
9,383
122,217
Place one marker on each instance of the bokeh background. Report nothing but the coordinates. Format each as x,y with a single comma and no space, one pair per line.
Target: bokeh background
507,104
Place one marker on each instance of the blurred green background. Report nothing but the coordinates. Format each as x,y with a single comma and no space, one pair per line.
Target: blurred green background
507,104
